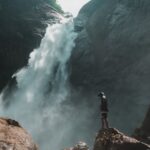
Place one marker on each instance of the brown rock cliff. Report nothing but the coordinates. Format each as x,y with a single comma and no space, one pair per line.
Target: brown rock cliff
14,137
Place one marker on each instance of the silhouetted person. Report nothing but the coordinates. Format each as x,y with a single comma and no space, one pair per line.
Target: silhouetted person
104,110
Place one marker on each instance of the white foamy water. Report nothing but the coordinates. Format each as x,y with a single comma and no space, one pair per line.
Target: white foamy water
43,88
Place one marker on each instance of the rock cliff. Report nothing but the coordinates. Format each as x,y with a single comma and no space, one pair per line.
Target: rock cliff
22,27
112,139
112,54
14,137
143,133
80,146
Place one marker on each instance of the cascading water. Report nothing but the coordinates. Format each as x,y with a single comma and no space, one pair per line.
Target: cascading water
42,88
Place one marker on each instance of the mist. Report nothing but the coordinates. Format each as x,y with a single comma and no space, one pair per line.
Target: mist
42,88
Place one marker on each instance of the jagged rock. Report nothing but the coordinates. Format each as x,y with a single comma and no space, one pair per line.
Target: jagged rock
143,133
79,146
112,139
14,137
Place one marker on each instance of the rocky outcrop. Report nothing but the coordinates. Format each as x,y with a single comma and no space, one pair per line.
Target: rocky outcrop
112,139
22,27
79,146
14,137
112,54
143,133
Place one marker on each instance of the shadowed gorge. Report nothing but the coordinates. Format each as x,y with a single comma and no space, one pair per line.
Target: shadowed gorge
22,27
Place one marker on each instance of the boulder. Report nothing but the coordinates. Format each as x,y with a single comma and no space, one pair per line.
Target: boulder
14,137
80,146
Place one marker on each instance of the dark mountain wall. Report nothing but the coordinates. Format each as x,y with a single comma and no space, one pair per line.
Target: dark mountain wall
112,54
22,25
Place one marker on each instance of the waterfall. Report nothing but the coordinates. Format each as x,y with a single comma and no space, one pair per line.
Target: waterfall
42,88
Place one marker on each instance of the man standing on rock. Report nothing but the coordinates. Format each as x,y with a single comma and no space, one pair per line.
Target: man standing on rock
104,110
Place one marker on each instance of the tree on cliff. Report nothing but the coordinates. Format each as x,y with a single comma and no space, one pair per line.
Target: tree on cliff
55,5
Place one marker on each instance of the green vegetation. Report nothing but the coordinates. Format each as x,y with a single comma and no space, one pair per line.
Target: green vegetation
56,6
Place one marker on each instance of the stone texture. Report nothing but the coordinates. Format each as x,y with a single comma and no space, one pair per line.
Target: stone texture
112,139
80,146
14,137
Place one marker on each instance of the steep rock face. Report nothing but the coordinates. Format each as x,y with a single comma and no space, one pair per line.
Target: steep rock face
143,133
112,139
14,137
22,26
113,42
112,54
